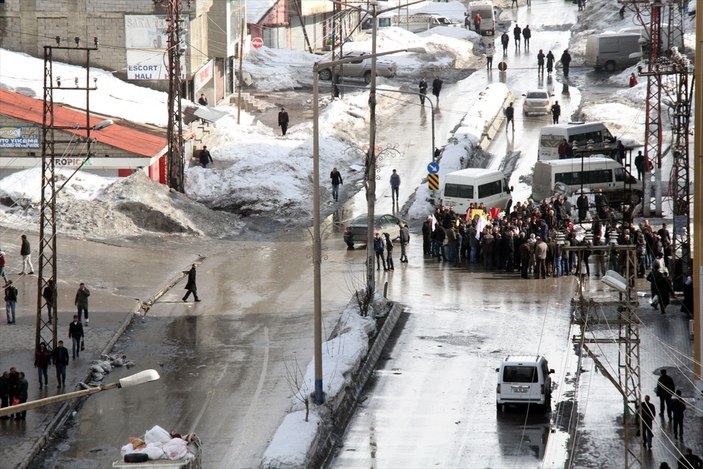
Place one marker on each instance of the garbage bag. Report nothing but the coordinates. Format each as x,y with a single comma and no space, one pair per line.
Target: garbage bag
156,435
175,449
126,449
154,452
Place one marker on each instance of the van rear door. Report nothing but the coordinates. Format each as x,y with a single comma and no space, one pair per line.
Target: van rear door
520,383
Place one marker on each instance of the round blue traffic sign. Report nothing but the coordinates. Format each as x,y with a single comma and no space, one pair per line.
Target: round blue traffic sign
433,168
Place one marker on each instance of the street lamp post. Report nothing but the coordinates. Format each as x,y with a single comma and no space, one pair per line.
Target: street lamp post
318,396
142,377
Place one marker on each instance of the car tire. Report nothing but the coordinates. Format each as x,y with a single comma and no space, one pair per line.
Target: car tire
609,66
350,245
367,77
325,74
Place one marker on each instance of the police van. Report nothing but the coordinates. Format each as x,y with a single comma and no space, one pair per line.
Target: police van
586,138
475,185
596,172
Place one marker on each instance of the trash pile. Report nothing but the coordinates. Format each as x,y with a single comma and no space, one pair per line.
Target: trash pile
99,368
160,444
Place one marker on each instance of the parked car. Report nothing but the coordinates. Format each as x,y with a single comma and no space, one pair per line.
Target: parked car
360,68
356,231
537,102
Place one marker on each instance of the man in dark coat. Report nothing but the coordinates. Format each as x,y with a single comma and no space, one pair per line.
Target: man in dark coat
205,157
556,112
190,285
639,164
427,236
647,414
517,31
550,62
565,62
526,35
49,294
26,253
23,394
437,87
336,178
283,120
540,62
582,206
505,40
423,90
665,389
81,302
678,407
4,391
75,333
509,117
661,287
61,362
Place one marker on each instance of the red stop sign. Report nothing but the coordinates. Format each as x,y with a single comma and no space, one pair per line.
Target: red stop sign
257,42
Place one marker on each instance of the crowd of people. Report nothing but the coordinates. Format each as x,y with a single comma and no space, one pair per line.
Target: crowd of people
536,240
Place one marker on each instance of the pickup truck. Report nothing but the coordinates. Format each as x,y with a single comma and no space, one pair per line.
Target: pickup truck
360,68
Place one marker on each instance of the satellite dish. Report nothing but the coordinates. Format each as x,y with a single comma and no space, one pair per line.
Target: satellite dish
560,188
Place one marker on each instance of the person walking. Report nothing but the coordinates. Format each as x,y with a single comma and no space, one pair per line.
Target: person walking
422,86
81,302
61,362
49,295
437,87
647,414
42,360
395,187
205,157
378,246
660,287
556,112
3,263
191,286
427,236
565,62
404,241
639,164
526,35
10,301
336,178
540,62
514,4
283,120
665,389
550,62
509,117
690,461
477,24
75,333
26,253
678,407
22,394
505,40
489,56
517,32
389,251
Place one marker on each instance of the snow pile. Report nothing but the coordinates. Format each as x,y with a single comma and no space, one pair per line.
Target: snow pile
279,69
103,208
25,74
341,357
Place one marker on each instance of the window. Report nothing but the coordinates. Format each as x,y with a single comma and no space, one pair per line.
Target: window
599,176
489,189
520,374
619,174
572,178
460,191
550,141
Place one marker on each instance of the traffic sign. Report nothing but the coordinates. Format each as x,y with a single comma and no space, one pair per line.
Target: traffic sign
433,168
433,182
257,42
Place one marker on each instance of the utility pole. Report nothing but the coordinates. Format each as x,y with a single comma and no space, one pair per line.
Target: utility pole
698,216
174,132
46,330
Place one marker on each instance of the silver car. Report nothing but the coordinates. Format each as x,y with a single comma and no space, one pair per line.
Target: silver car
357,231
537,102
360,68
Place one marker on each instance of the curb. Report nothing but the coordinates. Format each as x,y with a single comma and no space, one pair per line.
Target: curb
335,422
69,406
492,127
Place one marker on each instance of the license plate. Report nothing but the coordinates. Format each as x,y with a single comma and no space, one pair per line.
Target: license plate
521,389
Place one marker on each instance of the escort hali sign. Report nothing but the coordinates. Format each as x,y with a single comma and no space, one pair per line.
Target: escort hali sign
19,137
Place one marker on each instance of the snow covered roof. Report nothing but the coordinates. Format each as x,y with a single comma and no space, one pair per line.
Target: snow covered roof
117,135
257,9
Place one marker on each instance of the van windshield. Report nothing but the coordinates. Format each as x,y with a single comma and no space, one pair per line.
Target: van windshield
550,141
520,374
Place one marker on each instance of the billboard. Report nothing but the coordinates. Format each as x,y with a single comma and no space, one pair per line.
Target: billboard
19,137
146,40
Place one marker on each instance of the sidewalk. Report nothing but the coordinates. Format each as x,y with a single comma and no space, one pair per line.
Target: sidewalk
665,343
117,277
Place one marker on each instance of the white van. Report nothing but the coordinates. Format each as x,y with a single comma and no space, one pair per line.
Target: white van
475,185
569,176
415,23
612,51
488,18
524,379
589,138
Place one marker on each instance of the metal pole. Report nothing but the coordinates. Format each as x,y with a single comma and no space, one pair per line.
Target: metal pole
698,213
319,396
371,164
240,80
